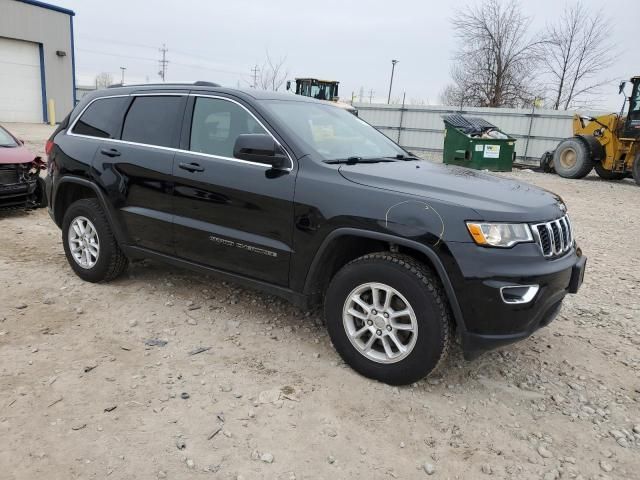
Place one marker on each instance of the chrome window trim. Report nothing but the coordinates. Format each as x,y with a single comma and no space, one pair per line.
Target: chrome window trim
70,132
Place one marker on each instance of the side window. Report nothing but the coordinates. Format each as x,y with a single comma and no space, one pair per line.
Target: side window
154,120
102,118
217,123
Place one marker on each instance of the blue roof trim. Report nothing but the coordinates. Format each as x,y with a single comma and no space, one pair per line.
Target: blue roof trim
48,6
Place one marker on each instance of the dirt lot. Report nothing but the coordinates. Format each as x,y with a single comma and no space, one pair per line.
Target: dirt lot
82,396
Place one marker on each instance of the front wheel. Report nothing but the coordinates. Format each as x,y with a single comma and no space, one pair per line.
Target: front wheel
572,158
388,318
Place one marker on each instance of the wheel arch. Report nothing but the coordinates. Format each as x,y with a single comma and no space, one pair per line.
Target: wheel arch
324,263
71,189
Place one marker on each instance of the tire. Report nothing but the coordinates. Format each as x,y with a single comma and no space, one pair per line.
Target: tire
40,200
607,174
110,261
428,342
572,158
636,169
546,162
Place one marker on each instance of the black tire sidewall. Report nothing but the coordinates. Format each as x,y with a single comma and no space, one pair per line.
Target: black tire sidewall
583,161
430,343
607,174
90,209
636,169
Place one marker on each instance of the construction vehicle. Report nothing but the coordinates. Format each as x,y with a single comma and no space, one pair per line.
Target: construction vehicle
322,90
610,143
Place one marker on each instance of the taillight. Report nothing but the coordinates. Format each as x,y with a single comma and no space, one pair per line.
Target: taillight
48,147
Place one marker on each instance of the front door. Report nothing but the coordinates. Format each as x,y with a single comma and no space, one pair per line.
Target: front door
230,214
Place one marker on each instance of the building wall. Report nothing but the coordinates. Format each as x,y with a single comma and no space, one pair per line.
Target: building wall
52,29
420,128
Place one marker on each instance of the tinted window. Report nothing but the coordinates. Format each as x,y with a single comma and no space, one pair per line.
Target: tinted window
216,125
154,121
102,118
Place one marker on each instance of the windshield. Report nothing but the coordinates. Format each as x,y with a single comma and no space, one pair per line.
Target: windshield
333,133
6,140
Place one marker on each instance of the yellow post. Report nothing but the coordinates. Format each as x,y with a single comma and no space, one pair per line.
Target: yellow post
52,112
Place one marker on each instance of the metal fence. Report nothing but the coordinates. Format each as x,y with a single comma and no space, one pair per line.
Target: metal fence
420,128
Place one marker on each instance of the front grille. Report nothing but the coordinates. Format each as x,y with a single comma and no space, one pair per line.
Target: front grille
8,174
555,237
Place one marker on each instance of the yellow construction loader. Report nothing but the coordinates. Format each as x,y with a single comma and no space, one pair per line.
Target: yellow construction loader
322,90
610,143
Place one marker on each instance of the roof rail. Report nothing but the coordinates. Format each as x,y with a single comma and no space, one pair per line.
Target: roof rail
197,83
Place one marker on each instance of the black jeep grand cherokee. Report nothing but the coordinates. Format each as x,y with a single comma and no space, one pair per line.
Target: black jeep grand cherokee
304,200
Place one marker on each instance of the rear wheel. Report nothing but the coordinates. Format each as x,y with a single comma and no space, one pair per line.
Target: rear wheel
388,318
607,174
636,169
572,159
89,244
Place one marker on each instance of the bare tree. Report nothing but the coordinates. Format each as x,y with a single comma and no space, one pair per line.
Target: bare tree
577,49
496,59
103,80
273,74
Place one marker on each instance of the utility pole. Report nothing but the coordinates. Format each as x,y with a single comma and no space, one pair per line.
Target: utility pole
122,69
370,95
361,94
255,71
163,62
393,67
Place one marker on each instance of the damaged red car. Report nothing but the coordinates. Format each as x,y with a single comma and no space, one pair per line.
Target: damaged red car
20,181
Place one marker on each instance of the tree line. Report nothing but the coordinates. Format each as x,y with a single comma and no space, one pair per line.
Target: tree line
499,62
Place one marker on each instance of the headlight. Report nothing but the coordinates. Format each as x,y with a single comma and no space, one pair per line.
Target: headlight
499,234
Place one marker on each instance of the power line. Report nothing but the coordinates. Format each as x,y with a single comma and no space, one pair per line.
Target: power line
163,62
150,59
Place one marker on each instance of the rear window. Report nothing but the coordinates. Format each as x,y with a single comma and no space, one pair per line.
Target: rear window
154,120
102,118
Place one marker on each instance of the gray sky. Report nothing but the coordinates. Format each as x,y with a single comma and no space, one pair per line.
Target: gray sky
349,41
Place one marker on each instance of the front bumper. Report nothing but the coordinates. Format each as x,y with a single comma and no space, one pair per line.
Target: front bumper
17,194
490,321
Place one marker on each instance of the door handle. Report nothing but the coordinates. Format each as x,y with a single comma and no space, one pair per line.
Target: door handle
110,152
191,167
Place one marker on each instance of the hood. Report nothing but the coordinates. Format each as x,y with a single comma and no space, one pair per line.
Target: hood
18,154
493,198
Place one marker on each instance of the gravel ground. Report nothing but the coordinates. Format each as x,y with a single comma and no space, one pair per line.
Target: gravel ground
90,389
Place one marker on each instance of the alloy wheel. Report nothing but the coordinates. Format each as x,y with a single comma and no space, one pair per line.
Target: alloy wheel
380,322
84,243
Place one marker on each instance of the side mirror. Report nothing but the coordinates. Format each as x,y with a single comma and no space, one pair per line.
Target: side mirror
621,87
261,148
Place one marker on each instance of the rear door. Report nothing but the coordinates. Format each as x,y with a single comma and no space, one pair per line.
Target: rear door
230,214
137,168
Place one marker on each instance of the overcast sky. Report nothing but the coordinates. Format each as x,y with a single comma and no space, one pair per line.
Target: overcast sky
349,41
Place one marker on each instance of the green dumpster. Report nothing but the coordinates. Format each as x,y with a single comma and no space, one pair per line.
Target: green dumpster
475,143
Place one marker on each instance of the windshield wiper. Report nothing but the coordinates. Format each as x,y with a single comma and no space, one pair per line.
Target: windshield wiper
402,156
354,160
